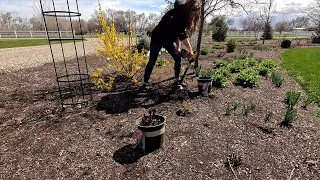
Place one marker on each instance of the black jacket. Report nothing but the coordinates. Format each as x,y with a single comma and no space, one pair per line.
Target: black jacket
171,27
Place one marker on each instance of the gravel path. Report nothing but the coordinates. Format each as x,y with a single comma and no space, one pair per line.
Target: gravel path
13,59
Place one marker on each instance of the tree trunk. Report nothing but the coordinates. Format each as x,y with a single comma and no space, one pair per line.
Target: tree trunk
200,33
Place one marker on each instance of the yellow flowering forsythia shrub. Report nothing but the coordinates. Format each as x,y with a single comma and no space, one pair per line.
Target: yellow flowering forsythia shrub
122,61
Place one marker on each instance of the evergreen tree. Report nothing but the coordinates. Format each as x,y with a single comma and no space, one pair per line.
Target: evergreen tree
219,28
267,32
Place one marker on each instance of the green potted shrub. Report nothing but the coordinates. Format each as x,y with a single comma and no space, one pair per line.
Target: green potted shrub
152,128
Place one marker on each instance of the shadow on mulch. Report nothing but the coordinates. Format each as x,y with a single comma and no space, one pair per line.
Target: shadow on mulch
119,102
128,155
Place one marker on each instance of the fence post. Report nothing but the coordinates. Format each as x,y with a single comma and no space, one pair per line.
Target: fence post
30,33
15,32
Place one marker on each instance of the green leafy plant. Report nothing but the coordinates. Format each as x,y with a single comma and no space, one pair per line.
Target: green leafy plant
276,79
292,98
266,67
220,77
212,51
247,108
221,63
231,45
252,62
204,51
248,78
286,43
228,110
218,47
268,117
161,63
238,65
184,111
289,117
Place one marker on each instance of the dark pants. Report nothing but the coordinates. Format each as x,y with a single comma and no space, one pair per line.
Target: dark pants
154,53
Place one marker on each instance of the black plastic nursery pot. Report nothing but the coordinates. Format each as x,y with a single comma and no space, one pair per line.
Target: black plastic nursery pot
152,136
204,85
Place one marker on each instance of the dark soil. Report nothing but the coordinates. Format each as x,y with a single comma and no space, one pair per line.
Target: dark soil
40,141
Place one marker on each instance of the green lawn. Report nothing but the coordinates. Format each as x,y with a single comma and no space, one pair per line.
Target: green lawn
12,43
304,65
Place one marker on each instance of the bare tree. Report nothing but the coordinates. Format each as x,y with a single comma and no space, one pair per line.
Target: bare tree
11,21
282,26
313,12
299,22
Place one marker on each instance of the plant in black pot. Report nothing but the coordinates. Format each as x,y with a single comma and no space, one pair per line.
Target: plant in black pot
205,82
152,127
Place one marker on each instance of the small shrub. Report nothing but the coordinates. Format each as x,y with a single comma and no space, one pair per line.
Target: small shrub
248,78
144,43
238,65
220,28
228,110
289,117
221,63
231,45
276,79
247,108
266,67
286,43
218,47
220,77
292,98
204,51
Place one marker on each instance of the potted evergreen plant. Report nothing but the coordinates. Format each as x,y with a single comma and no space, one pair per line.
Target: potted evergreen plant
152,128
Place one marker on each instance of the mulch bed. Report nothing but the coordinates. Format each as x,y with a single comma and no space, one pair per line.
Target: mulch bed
38,140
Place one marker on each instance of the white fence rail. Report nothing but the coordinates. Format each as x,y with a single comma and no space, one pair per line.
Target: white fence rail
252,34
35,34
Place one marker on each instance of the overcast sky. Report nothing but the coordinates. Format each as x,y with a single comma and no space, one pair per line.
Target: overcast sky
286,9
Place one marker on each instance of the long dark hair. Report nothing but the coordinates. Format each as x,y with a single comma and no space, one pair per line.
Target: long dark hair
193,10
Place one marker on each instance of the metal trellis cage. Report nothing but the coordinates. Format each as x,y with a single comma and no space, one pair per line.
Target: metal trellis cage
74,82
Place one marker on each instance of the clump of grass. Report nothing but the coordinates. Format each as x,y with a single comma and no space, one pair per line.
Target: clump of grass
235,105
276,79
247,108
228,110
292,98
289,117
260,48
268,117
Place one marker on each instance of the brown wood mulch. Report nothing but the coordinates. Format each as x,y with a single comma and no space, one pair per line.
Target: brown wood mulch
38,141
